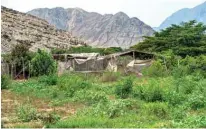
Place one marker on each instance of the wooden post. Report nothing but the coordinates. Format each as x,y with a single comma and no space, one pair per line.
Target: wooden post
29,70
65,57
73,64
133,55
23,68
12,71
8,68
15,72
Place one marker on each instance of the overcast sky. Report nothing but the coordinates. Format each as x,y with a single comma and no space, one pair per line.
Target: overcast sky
152,12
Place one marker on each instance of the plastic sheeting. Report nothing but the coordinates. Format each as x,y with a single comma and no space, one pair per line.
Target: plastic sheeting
138,65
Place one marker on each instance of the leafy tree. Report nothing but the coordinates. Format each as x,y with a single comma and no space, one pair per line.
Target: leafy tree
186,39
19,55
43,64
20,51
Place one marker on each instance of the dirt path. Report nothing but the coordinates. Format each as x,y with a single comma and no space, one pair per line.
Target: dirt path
10,102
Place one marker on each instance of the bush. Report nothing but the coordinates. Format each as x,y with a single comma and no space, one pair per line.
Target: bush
26,113
179,112
90,97
71,83
191,122
195,64
48,80
5,81
157,69
175,98
43,64
112,108
150,92
197,101
159,109
118,108
124,89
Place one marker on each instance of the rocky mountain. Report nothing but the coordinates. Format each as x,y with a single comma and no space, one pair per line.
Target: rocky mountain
98,30
17,27
197,13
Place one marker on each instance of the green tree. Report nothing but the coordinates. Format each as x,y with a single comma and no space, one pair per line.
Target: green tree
186,39
19,56
43,64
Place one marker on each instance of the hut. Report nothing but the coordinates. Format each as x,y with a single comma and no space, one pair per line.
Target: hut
94,62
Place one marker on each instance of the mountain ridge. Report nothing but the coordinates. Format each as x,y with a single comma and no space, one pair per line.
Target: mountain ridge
99,30
197,13
22,28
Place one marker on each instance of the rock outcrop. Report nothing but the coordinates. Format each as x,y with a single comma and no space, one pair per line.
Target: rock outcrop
17,27
98,30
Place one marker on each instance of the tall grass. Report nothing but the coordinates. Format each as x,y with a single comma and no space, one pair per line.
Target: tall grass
126,102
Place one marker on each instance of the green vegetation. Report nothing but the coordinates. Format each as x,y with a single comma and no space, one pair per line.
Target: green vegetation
5,81
170,94
123,90
187,39
147,102
43,64
19,57
26,113
87,49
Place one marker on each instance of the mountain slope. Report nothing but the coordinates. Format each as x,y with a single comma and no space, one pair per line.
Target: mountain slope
97,30
17,27
197,13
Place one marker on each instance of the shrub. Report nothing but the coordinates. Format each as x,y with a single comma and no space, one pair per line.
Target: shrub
71,83
155,70
48,80
178,113
191,122
150,92
124,89
175,98
43,64
90,97
155,94
195,64
197,101
26,113
159,109
112,108
185,85
5,81
117,108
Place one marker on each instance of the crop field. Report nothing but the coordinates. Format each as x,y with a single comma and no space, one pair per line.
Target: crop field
105,100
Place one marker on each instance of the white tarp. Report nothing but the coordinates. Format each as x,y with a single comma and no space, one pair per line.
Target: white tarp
87,55
138,65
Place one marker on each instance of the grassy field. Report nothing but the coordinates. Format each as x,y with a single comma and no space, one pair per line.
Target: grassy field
106,100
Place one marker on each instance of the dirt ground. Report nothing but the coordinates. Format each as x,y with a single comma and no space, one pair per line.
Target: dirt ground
10,102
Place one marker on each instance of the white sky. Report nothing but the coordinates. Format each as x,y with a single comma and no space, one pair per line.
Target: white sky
152,12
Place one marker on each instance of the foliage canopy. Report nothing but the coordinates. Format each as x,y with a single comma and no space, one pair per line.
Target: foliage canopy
185,39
